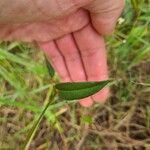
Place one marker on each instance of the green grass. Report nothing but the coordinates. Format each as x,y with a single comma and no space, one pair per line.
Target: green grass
26,88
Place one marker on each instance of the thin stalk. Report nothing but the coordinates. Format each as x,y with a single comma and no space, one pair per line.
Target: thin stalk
34,129
36,125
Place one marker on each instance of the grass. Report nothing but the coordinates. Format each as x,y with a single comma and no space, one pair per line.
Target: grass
123,123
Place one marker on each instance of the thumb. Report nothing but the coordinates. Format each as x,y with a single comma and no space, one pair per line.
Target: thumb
104,14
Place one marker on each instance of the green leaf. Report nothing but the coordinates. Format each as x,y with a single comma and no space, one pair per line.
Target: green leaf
79,90
51,70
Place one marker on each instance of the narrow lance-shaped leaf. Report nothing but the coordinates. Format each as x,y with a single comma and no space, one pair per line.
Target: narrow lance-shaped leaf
51,70
79,90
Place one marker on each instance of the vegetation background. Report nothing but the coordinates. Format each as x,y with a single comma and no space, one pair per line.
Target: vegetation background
123,123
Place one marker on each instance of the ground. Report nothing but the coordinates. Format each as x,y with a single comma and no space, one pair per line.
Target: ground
123,123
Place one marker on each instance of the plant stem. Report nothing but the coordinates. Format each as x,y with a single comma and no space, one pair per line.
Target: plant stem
36,125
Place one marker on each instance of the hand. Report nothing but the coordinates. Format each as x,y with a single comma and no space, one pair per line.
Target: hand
69,31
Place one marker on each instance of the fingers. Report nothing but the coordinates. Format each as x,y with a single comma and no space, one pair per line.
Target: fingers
104,14
51,51
71,64
72,58
69,50
93,53
86,102
65,58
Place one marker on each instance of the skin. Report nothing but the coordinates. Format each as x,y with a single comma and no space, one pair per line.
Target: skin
70,32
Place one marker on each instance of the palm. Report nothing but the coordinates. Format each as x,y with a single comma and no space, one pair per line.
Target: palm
44,31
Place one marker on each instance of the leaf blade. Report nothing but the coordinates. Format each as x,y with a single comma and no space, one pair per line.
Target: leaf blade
79,90
51,70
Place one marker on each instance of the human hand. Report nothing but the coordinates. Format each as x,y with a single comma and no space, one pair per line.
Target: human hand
69,31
